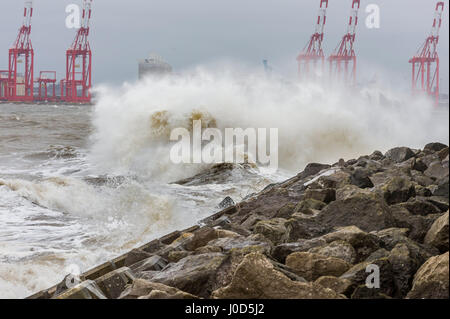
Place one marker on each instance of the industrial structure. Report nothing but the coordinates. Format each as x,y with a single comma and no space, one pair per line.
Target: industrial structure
425,64
17,84
343,59
313,52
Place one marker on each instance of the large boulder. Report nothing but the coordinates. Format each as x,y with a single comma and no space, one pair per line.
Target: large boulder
281,251
194,274
312,266
437,236
432,279
366,211
399,154
338,249
339,285
437,170
273,229
434,147
398,189
257,278
144,289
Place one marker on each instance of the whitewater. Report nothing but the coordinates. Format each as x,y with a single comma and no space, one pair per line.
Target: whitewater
82,184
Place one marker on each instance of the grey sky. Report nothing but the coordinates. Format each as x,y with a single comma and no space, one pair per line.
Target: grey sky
191,32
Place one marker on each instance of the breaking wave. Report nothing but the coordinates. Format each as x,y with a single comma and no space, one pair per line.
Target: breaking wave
316,123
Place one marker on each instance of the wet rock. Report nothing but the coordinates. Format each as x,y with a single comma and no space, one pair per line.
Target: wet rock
311,266
273,229
284,212
420,206
398,190
376,156
175,256
144,289
338,249
309,206
135,256
152,263
113,283
442,188
366,211
227,202
434,147
432,279
437,170
281,251
208,249
193,274
86,290
443,154
399,154
339,285
312,169
363,243
377,254
437,236
360,178
418,225
405,263
244,244
360,274
200,238
419,165
326,195
256,278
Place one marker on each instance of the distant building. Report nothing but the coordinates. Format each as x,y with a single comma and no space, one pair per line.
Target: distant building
153,65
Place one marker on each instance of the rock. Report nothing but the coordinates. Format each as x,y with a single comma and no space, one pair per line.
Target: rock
364,292
193,274
419,165
175,256
363,243
362,272
308,204
201,237
86,290
144,289
437,170
135,256
113,283
349,191
281,251
393,236
420,206
152,263
208,249
273,229
311,266
377,254
312,169
256,278
437,236
399,154
252,219
336,180
284,212
434,147
443,154
398,190
405,263
244,244
326,195
223,233
366,211
442,188
376,156
339,285
432,279
227,202
418,225
338,249
360,178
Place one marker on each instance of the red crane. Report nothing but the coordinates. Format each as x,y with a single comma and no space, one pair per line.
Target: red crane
75,88
47,78
313,51
344,54
426,60
20,79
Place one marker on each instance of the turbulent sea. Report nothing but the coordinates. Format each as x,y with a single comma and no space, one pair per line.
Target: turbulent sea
82,184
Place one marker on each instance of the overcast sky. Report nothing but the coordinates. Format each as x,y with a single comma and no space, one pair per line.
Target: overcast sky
191,32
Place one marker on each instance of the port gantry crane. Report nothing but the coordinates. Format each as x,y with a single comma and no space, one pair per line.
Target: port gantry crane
344,54
76,87
313,52
426,60
19,86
